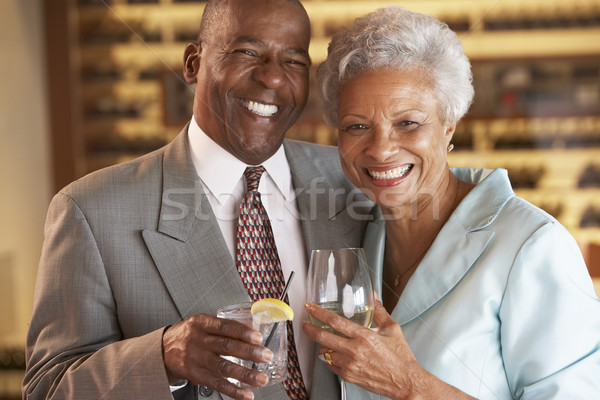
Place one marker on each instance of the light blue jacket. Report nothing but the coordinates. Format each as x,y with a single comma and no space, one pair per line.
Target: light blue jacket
502,305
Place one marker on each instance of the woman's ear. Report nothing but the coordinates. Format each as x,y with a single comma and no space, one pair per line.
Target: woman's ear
191,61
449,134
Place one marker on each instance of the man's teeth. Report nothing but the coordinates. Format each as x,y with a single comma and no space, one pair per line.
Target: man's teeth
391,173
264,110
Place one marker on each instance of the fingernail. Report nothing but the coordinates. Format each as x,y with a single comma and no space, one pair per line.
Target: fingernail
256,338
262,379
267,355
248,395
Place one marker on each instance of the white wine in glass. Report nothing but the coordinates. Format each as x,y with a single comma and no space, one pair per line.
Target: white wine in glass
340,281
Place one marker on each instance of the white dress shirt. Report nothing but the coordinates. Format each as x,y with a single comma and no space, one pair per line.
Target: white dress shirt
222,177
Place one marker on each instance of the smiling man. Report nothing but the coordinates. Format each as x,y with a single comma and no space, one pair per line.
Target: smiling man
251,75
138,257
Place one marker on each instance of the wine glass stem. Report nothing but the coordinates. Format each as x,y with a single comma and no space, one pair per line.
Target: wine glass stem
343,388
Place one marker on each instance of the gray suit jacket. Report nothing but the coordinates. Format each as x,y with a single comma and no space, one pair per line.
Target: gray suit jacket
136,247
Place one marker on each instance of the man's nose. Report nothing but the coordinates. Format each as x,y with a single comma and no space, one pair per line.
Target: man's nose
270,74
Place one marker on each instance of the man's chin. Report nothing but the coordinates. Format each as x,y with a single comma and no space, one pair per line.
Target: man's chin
255,153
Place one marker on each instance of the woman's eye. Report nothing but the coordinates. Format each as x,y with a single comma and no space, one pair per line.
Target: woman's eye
408,124
355,128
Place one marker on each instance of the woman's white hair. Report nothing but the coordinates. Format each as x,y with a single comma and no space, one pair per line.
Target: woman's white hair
397,39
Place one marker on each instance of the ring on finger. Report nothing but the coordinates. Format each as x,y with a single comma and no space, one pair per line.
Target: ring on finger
327,357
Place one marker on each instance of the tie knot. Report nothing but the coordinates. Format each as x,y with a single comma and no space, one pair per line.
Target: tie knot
253,175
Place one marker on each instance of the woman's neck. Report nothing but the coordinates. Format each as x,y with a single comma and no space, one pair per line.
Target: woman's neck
409,237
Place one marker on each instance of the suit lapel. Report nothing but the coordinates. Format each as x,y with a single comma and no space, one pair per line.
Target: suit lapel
458,245
326,223
188,247
434,277
322,199
311,188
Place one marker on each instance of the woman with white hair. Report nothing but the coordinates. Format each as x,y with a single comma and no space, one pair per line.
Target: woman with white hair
482,294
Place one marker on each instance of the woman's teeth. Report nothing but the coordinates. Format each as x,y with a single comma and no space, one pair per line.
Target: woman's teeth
391,173
264,110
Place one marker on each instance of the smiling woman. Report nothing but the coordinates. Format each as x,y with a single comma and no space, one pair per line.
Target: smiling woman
476,283
392,141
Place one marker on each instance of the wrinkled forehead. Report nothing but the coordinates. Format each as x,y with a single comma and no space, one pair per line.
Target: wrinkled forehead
390,83
387,92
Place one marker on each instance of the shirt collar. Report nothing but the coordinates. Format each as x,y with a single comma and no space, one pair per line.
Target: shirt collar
221,171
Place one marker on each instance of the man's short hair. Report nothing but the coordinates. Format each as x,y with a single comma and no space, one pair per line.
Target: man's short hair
214,13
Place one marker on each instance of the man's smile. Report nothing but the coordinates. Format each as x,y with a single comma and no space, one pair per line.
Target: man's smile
263,110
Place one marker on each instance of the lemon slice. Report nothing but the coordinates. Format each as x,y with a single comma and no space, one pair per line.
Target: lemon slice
277,310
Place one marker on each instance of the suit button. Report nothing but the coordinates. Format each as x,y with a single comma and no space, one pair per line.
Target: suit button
205,391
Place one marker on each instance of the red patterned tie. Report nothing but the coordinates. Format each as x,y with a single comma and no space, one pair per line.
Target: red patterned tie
260,269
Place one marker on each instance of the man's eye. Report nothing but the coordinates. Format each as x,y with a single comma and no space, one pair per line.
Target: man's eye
246,52
297,63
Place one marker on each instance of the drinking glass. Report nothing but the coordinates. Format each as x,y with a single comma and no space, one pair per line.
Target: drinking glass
340,281
274,338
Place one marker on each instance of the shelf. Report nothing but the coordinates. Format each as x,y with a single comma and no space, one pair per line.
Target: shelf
134,55
536,112
166,12
122,89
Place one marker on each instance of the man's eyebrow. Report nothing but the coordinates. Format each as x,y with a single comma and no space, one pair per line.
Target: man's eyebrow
249,40
257,42
299,51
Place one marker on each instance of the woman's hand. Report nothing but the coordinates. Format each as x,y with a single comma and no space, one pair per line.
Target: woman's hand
378,359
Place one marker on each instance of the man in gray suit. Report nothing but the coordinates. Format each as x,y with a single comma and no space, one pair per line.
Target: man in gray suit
138,257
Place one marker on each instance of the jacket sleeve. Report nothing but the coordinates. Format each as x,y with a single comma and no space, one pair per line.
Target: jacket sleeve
550,317
75,348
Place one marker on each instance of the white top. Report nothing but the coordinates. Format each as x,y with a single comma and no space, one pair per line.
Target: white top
222,177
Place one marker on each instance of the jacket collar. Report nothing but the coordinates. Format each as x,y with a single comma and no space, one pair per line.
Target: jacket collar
182,196
483,204
191,257
459,243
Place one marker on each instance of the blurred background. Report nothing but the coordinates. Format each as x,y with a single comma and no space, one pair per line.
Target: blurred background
88,83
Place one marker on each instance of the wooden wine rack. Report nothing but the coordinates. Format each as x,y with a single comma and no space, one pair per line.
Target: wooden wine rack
128,96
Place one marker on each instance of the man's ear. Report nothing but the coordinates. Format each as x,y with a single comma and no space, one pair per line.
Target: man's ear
191,61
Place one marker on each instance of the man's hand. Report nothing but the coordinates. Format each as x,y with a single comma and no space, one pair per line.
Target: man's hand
193,348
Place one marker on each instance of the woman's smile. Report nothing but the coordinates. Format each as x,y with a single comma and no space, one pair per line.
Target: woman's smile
388,176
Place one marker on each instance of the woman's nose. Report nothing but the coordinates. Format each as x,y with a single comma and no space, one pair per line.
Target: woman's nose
270,74
381,144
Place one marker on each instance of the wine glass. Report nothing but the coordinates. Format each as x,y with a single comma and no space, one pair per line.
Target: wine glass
340,281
